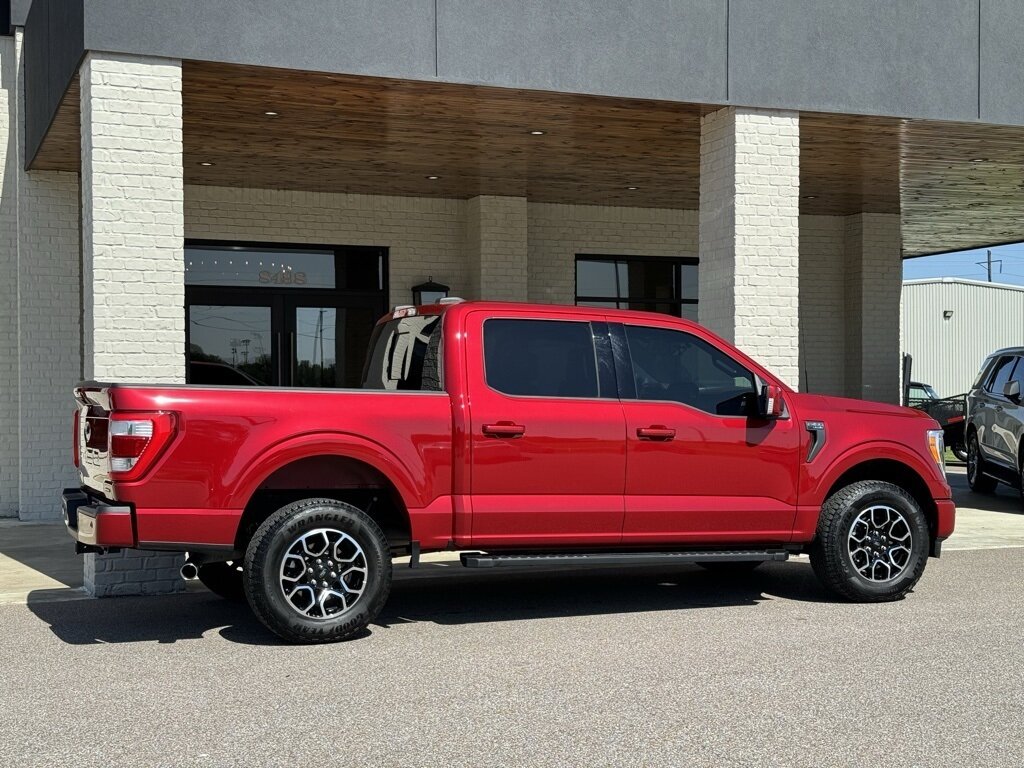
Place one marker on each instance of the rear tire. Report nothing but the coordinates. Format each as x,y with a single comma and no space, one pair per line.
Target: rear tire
223,579
317,571
978,481
872,542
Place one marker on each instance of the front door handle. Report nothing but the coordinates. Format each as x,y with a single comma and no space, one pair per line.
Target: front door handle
655,432
504,429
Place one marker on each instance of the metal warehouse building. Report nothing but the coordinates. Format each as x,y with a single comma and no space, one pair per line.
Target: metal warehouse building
950,326
187,184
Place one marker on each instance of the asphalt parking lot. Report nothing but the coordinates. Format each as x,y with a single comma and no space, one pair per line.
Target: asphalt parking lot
634,666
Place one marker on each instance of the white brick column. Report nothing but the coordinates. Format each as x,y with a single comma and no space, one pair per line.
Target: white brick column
496,243
133,269
8,288
874,281
749,233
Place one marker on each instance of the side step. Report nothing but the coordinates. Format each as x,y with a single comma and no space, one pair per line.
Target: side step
483,560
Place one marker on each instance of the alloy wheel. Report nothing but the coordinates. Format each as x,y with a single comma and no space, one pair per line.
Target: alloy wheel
880,543
323,573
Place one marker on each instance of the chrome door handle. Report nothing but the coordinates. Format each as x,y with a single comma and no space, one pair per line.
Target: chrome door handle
504,429
656,432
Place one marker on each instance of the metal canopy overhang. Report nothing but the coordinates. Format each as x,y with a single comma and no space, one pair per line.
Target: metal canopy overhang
957,185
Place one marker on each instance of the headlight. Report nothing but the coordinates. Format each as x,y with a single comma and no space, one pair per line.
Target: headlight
937,448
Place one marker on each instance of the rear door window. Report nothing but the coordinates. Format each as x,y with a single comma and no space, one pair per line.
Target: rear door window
1001,374
540,358
405,354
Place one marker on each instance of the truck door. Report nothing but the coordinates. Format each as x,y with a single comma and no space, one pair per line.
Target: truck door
701,465
547,443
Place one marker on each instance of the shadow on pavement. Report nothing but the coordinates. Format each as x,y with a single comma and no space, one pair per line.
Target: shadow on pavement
442,595
1004,499
464,596
161,619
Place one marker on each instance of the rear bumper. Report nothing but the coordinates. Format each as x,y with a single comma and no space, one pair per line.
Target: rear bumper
94,523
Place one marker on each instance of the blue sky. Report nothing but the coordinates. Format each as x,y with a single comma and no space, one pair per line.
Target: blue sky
964,264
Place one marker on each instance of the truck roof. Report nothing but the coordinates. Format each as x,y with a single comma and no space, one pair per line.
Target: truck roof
547,309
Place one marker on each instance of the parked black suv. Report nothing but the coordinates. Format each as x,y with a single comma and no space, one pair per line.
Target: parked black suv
995,423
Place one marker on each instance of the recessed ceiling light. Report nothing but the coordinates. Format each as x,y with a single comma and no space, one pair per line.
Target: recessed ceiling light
270,113
537,133
433,178
979,159
206,164
810,197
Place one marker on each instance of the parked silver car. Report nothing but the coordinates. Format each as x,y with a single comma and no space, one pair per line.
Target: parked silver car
995,423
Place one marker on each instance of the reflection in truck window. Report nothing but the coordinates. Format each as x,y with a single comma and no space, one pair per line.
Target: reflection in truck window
405,354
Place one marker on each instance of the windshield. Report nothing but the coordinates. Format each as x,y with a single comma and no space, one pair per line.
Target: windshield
405,354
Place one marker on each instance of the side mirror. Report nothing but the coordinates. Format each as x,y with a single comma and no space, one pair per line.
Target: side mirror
1011,389
770,402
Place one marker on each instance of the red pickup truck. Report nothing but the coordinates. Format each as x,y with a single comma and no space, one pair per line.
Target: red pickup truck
526,434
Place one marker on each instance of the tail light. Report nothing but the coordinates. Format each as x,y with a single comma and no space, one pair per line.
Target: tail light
76,447
136,441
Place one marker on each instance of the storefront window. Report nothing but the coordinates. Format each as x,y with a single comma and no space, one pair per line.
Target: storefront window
351,268
653,284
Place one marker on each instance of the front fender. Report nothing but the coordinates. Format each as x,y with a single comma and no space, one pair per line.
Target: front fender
820,482
413,493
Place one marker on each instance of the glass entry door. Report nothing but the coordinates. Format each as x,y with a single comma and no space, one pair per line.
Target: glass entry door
274,316
327,342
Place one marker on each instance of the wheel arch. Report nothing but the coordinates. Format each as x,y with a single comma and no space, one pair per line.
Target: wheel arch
887,469
353,470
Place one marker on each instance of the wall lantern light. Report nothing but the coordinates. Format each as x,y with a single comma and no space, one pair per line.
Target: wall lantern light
428,292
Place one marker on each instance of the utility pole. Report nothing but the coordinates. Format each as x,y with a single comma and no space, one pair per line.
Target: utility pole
987,264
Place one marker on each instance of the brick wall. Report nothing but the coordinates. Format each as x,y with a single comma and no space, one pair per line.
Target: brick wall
424,235
822,305
874,279
8,286
430,236
42,307
557,233
749,233
496,246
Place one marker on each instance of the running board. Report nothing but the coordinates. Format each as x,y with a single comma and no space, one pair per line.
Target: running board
483,560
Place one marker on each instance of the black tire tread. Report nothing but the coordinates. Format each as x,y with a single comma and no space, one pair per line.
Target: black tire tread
983,483
255,587
825,561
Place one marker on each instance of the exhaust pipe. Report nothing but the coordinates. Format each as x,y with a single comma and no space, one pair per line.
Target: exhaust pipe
189,571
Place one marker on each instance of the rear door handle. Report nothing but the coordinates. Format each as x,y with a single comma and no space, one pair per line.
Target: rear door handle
504,429
655,432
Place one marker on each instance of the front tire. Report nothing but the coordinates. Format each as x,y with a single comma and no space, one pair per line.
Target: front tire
872,542
317,571
978,481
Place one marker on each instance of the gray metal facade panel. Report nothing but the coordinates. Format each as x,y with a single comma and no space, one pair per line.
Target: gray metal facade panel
371,37
914,58
19,12
54,47
656,49
1002,61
